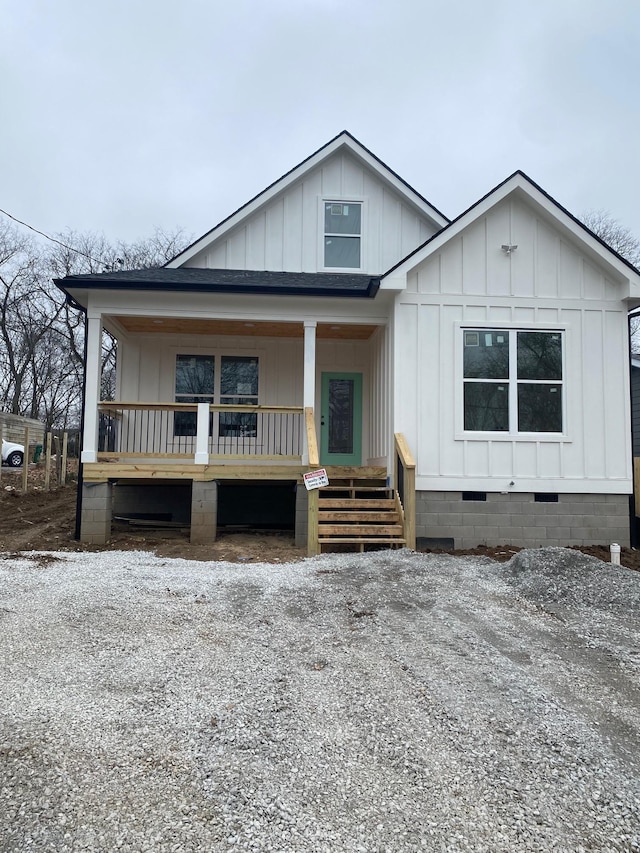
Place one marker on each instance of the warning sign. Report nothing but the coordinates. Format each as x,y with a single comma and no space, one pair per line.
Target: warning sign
316,479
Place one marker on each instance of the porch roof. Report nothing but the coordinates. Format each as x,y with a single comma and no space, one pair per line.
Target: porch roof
195,280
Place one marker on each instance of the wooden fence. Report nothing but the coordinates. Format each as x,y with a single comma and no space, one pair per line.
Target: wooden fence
48,462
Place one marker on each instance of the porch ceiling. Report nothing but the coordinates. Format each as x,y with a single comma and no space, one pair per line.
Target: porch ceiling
192,326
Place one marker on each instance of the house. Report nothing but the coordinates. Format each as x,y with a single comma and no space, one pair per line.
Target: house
635,404
463,382
635,433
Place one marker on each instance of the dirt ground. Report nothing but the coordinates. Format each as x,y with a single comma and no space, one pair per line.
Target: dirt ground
40,520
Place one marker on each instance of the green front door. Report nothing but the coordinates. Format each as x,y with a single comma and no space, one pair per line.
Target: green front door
341,419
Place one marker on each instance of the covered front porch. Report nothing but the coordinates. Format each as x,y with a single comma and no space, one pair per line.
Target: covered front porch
211,402
359,506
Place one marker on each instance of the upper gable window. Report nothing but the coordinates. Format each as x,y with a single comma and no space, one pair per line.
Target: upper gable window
342,235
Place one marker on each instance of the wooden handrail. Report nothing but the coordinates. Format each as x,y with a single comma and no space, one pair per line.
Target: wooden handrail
403,451
312,441
404,459
107,405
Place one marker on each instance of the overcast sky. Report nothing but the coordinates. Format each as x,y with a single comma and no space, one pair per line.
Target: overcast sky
120,116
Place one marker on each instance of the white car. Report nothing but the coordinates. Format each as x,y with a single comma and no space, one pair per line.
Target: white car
12,454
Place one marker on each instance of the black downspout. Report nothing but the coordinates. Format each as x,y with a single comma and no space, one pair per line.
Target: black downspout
84,394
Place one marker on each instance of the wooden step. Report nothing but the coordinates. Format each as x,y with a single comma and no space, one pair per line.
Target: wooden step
357,517
356,503
357,490
359,511
364,540
361,472
360,530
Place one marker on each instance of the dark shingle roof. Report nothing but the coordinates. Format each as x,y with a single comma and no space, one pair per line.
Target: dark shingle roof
192,280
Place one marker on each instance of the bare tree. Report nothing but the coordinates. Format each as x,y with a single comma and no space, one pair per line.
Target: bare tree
41,335
29,320
615,235
82,253
625,243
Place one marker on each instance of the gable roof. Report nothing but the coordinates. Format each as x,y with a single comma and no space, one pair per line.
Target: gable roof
343,140
520,184
192,280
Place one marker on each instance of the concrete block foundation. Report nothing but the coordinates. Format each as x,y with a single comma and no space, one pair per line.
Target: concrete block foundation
518,519
97,510
204,512
302,516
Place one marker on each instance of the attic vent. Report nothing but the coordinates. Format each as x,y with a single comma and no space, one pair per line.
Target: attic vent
336,209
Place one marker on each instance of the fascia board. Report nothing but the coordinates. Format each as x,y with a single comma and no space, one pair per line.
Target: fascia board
632,298
343,140
403,189
588,242
396,282
448,233
231,307
257,202
79,296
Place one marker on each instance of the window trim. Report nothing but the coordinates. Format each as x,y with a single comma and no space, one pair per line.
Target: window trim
338,199
512,434
217,353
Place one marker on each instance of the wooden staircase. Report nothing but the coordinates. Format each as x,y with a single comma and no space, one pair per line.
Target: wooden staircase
359,512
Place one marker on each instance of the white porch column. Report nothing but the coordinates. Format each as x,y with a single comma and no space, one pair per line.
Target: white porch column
202,435
309,377
92,389
309,386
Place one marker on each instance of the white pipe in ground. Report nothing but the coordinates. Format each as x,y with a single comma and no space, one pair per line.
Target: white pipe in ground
615,554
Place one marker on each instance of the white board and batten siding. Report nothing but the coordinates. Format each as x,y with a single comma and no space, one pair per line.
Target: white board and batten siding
148,364
546,283
378,418
287,233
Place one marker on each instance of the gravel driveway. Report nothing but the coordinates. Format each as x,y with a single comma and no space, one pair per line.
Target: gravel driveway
373,702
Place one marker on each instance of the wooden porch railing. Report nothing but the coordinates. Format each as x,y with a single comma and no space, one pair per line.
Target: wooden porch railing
171,431
405,482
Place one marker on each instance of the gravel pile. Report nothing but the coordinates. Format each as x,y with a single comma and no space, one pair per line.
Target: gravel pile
373,702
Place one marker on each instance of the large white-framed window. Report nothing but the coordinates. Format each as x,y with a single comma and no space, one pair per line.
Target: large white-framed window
513,381
342,234
195,383
217,378
238,387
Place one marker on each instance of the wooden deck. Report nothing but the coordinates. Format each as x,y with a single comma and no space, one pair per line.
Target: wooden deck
102,472
153,442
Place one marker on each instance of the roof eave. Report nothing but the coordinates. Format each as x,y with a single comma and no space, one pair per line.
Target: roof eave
73,289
